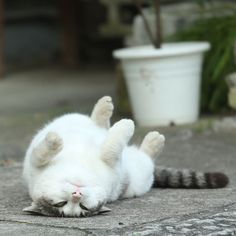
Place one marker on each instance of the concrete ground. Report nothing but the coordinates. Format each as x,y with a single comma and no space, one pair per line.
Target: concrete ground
28,100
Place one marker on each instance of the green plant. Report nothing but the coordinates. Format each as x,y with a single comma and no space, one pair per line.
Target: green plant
219,61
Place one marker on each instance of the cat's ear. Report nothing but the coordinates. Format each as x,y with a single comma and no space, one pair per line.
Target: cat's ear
103,210
33,209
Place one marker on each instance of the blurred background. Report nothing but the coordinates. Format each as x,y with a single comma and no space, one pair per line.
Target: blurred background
57,55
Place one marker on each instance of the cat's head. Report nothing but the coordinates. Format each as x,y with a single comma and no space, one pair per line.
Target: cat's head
62,200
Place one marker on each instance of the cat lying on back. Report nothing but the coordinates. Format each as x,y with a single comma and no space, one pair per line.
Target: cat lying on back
76,164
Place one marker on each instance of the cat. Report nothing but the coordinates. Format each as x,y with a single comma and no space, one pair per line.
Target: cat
77,163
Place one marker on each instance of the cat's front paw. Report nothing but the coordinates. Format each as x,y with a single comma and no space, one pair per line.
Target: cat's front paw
54,141
47,149
124,128
153,143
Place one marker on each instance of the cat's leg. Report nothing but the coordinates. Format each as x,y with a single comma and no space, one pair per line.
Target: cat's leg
102,112
118,137
46,150
153,144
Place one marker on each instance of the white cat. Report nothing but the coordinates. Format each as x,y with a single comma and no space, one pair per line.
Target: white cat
77,163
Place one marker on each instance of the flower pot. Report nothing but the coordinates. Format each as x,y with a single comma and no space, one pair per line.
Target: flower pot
164,84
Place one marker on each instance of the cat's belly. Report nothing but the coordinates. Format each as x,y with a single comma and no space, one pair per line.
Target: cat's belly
139,170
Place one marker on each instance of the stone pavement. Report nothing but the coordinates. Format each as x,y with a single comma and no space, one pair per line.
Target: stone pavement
159,212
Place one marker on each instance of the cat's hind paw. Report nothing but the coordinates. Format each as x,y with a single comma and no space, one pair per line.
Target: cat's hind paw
153,144
102,112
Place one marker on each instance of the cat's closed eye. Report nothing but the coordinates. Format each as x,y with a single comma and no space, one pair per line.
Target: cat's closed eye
60,204
83,207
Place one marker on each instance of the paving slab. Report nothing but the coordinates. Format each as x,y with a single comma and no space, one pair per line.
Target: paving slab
15,229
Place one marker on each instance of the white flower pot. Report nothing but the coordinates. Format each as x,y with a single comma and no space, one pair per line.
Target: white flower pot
164,84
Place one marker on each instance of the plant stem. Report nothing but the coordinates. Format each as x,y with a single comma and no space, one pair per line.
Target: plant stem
157,4
146,25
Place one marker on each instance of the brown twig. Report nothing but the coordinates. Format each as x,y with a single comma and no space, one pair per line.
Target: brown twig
146,25
157,4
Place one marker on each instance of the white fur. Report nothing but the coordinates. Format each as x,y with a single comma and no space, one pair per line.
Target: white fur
91,156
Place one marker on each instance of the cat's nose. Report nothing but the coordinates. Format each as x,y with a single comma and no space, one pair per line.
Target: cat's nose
76,196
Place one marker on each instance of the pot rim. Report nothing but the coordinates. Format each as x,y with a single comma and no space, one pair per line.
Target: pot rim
168,49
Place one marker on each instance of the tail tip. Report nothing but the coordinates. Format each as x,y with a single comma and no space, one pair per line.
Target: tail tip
220,180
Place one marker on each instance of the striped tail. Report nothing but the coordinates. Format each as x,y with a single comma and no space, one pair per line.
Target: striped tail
186,178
